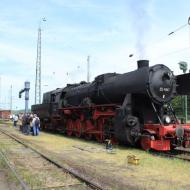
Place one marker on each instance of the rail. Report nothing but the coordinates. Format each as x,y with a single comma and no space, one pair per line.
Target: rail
175,154
20,180
68,170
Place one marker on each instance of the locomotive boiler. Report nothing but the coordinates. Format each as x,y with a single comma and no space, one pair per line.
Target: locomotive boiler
132,108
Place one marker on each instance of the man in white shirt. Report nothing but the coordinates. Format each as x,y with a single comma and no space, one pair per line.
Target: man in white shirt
15,120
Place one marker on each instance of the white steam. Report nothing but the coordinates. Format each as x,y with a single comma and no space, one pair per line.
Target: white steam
141,25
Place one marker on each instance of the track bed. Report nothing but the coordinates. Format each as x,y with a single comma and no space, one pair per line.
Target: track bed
33,170
111,171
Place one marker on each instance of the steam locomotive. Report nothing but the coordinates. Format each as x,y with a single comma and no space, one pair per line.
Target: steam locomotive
133,108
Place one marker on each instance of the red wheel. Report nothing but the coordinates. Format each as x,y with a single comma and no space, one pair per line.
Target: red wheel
89,128
78,128
145,143
88,136
69,127
99,137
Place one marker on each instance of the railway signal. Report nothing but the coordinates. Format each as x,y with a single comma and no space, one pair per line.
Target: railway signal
183,66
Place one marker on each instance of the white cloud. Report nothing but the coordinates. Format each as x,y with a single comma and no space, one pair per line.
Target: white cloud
74,3
5,92
20,55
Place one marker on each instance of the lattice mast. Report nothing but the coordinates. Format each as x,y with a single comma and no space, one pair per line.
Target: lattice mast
38,70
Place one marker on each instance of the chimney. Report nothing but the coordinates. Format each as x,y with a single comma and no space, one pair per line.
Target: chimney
142,63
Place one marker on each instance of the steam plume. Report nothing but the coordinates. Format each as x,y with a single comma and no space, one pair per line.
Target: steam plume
141,24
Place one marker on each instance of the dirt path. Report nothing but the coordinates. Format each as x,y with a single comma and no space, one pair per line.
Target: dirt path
3,182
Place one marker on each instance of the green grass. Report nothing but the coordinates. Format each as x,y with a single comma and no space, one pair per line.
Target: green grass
153,172
11,179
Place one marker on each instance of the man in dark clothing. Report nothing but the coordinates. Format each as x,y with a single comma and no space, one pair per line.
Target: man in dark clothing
26,124
23,123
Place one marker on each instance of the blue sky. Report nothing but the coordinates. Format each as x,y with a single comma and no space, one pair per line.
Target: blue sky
107,30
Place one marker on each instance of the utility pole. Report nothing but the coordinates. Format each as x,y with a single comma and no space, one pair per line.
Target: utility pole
183,66
11,98
0,94
189,30
38,67
88,69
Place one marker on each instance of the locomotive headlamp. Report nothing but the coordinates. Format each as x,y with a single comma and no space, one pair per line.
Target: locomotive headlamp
167,119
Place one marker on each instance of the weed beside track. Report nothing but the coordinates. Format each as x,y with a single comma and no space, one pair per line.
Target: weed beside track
32,170
111,171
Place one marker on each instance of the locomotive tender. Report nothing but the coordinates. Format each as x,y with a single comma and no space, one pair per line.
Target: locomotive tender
132,108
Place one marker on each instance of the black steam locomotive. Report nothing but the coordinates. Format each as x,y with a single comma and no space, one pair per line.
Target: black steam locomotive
133,108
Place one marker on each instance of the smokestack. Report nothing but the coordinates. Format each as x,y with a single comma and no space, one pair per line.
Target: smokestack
142,63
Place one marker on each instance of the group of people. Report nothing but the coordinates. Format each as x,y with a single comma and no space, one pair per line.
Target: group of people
30,124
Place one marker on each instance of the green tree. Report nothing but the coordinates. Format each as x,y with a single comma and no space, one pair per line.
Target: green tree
178,107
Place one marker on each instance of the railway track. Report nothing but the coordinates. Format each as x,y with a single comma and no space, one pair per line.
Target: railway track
180,154
20,157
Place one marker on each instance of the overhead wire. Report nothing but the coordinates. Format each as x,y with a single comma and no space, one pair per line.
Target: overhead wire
173,32
169,34
179,28
171,53
165,36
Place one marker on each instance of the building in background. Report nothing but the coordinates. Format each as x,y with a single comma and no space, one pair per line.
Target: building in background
5,114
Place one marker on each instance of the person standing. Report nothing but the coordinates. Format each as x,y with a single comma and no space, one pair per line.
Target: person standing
22,127
15,120
36,125
27,126
31,119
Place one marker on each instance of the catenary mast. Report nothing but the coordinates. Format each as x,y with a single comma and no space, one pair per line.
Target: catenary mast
38,70
38,67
